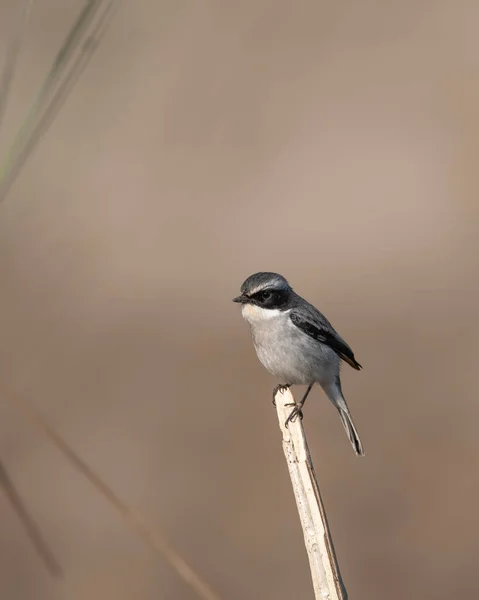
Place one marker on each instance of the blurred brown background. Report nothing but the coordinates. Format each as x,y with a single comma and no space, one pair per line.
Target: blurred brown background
335,143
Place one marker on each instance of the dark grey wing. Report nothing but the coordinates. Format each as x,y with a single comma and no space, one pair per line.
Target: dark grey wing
318,327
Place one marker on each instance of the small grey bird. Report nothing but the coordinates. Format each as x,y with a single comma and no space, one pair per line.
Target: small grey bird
296,343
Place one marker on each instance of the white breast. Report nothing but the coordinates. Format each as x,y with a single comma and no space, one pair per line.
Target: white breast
256,315
286,351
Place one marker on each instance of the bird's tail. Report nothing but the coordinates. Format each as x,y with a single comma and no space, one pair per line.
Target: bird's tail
351,430
335,394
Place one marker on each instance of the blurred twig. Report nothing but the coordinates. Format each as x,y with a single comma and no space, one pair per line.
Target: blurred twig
29,524
149,535
72,58
327,582
70,61
11,55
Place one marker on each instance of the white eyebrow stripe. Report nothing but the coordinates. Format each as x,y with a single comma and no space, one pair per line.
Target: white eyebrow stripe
256,290
268,287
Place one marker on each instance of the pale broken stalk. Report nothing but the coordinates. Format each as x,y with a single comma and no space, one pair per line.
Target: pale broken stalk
327,582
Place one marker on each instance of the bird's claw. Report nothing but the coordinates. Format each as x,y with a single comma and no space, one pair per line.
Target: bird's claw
279,387
296,412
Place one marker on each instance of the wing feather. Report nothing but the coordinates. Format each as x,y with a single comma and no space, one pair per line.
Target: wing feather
319,328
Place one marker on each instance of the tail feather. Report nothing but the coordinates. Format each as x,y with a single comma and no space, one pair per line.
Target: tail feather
351,431
335,394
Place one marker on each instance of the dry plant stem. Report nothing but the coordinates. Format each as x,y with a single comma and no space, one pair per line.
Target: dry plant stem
327,582
29,524
11,56
152,537
75,53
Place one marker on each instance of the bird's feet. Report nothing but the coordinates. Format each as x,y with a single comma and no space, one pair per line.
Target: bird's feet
280,387
295,413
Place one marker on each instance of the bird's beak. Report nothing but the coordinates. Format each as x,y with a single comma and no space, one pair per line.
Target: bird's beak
241,299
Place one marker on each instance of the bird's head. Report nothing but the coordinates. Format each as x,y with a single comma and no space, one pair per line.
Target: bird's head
267,292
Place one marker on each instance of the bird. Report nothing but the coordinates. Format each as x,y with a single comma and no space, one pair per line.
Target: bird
297,344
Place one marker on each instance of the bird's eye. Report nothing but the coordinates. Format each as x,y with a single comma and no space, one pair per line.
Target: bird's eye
266,295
